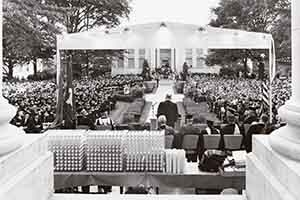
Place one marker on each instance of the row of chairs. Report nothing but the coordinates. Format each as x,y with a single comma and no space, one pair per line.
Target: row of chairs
190,142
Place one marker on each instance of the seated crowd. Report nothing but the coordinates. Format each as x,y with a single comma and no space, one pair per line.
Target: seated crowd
36,101
238,108
238,96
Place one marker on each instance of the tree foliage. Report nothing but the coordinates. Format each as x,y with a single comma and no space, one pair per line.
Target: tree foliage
29,30
270,16
30,26
86,14
83,15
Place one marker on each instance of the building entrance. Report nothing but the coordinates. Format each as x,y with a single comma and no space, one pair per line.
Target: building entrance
165,58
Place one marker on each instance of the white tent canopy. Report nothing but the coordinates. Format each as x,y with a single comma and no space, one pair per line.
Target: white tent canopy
165,35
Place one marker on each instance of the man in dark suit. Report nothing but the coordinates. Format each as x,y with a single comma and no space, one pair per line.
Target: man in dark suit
168,109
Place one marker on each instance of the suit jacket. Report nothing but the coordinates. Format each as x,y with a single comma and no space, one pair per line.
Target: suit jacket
169,109
258,128
250,119
228,129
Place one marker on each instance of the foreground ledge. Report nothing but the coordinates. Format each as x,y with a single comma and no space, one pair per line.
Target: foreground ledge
145,197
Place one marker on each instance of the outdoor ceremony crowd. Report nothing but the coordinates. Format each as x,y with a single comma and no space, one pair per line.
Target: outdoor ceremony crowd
36,100
237,95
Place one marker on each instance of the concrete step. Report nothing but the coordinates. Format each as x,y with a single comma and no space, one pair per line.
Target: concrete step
145,197
286,171
262,184
34,182
33,147
166,82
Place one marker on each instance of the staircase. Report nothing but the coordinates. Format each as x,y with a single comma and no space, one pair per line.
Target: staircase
27,173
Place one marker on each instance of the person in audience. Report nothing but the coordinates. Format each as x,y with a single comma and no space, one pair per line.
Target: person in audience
29,123
105,121
169,131
162,125
169,109
268,127
97,94
38,125
126,90
250,117
232,128
210,129
189,127
260,127
18,120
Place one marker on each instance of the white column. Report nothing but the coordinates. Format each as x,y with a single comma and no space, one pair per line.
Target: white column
125,68
114,67
147,56
136,59
10,136
172,59
194,58
158,57
180,58
152,62
286,140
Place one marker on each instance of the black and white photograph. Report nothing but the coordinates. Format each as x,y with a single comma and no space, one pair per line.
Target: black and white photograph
150,99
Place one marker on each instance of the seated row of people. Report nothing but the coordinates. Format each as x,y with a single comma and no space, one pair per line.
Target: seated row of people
192,128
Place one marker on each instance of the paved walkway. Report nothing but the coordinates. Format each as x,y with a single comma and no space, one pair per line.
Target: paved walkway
165,87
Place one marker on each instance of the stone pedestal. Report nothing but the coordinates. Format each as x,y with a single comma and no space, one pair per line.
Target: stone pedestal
10,136
27,173
286,141
270,175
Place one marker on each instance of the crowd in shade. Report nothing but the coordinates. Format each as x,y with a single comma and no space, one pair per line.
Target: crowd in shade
236,95
36,100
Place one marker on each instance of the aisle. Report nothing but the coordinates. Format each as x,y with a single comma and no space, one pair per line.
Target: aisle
117,114
165,87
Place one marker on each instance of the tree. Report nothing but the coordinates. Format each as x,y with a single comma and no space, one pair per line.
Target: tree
281,31
29,31
86,14
250,15
83,15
